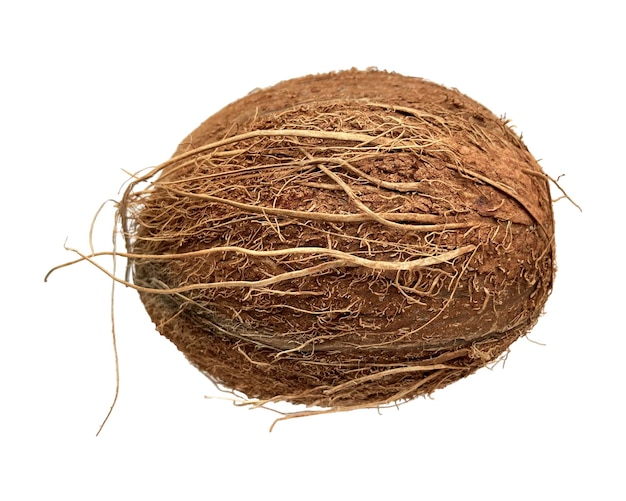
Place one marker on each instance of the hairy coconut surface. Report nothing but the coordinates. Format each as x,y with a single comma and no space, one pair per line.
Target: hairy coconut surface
343,240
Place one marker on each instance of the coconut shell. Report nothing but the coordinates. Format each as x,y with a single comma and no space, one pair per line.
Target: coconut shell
344,240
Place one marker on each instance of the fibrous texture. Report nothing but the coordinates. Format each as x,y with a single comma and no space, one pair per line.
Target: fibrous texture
343,240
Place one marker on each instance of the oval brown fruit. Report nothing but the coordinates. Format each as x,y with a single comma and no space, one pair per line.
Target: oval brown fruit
344,240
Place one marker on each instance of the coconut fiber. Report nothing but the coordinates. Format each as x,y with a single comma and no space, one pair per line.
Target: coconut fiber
343,240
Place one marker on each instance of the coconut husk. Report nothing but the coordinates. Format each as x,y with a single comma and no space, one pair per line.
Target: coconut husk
343,240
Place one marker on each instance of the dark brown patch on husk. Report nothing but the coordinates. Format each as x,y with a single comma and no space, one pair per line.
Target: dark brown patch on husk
344,240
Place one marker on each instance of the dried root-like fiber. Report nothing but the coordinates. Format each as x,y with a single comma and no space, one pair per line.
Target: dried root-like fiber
343,240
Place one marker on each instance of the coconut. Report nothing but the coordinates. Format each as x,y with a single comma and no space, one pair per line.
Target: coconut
343,240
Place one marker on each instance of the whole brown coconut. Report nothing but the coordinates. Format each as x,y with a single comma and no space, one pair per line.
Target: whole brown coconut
343,240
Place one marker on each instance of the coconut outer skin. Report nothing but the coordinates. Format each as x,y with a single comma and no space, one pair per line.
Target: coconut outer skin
448,214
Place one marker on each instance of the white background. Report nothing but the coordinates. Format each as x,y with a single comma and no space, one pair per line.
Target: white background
89,90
